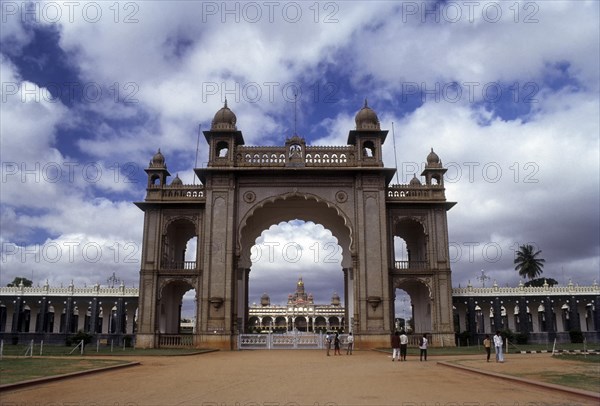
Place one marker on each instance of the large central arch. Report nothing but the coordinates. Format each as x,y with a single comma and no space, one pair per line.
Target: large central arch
246,189
289,206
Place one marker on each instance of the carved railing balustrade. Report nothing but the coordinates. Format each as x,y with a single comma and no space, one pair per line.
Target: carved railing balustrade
311,156
260,156
415,192
410,265
322,156
186,193
182,266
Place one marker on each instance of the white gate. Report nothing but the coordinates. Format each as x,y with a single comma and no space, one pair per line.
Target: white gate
287,341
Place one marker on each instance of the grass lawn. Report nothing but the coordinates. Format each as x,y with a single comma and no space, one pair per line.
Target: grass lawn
62,350
586,375
22,369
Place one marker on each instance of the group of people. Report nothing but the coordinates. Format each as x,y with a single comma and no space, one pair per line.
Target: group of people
335,339
498,344
400,346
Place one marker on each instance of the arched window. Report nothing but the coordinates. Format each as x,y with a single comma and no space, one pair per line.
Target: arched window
222,149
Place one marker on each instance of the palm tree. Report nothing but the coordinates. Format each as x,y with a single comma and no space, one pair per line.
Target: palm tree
527,263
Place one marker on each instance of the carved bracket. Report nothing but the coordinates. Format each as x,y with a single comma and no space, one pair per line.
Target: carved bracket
216,302
374,301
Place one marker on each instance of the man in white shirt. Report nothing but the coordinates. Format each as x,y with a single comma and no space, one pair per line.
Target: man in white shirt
498,343
403,345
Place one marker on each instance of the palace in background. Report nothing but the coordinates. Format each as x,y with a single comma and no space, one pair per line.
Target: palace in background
299,314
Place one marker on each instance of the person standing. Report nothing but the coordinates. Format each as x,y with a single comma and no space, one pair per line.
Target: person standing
328,343
498,343
350,344
487,344
423,347
336,344
403,345
396,346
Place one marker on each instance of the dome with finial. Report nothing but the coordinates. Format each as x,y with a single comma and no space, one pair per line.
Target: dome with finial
265,300
224,120
176,181
366,119
158,160
433,159
415,181
335,299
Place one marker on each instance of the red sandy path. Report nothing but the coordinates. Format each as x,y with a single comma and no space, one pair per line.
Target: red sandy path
301,377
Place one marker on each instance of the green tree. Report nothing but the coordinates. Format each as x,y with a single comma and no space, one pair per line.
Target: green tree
17,281
539,282
527,262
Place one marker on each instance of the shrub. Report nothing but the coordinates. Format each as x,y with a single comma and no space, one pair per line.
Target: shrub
521,338
576,336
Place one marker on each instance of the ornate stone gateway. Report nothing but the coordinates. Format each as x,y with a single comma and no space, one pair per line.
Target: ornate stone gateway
246,189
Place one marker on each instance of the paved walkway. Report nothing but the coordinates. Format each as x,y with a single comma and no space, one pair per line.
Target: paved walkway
291,378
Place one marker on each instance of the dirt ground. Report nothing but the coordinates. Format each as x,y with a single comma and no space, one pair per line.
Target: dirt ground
301,377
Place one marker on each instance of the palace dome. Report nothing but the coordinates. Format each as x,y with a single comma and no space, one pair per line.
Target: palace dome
224,120
415,181
433,158
176,181
158,160
366,119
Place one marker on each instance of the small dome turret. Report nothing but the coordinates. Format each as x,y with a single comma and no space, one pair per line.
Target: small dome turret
176,181
366,119
335,299
415,181
433,160
224,120
265,300
158,160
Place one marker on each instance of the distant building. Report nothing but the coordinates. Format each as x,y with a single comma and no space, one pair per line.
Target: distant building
52,313
299,314
541,313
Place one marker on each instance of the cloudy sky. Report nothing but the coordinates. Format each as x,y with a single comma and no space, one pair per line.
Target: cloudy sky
507,93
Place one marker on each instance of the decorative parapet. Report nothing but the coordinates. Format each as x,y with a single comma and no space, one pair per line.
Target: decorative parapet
521,290
415,192
180,193
311,156
69,291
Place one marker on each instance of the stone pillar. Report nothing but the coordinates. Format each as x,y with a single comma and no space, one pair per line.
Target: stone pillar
549,315
68,315
17,315
497,306
574,324
94,313
471,315
120,322
523,317
596,314
42,322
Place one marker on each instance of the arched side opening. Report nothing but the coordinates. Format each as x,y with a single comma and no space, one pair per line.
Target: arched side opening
419,295
410,245
180,245
403,312
171,310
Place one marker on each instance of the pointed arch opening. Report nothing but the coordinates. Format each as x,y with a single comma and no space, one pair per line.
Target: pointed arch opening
180,245
177,308
288,242
410,244
418,294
